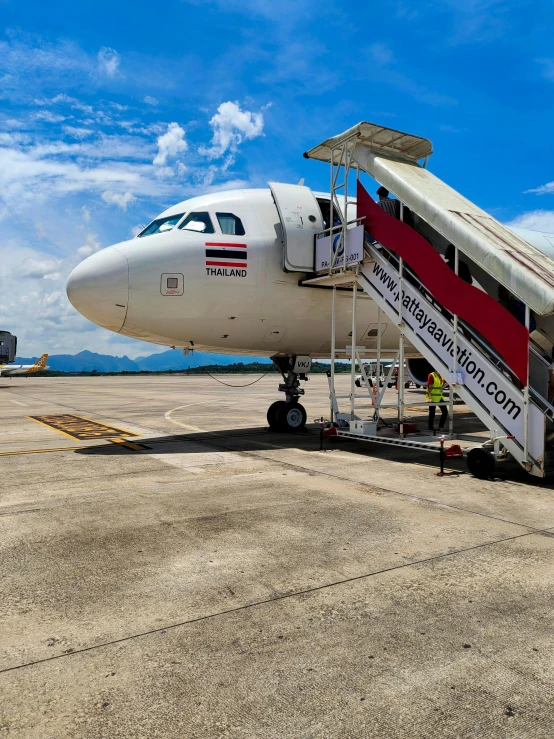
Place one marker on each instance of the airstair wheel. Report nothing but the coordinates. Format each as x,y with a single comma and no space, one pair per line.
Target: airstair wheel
481,463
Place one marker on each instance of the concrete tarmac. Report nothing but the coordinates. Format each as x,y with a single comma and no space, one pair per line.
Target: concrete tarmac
206,578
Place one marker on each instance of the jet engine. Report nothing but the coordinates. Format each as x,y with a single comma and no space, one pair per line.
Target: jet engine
419,370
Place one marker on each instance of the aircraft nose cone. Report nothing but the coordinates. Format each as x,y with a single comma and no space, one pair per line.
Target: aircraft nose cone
98,288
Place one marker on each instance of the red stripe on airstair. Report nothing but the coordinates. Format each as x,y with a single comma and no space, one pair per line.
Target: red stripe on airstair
481,311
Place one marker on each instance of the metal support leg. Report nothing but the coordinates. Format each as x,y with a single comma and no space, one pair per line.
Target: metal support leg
400,375
401,386
451,412
454,379
353,354
526,395
333,353
378,369
364,374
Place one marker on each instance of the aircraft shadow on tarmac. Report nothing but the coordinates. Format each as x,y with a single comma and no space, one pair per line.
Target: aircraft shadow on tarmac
258,439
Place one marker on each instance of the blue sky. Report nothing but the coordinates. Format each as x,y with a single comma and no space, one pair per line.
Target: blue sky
111,111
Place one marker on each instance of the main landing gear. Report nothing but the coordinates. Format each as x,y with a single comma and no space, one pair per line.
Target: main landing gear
289,414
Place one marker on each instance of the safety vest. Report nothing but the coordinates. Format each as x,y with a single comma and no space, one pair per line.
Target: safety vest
434,393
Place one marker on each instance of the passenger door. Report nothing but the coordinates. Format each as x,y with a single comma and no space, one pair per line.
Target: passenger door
301,220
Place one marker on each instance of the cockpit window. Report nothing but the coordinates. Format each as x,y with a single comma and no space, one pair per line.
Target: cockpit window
230,224
200,222
161,224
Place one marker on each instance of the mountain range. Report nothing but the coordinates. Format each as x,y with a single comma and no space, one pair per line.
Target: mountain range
173,359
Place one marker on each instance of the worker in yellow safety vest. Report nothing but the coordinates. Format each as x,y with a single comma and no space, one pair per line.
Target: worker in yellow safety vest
435,397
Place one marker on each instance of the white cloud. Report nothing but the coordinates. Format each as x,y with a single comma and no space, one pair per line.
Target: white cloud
547,189
28,63
170,144
48,116
149,100
72,102
122,199
53,169
41,269
77,132
535,220
108,61
90,246
85,214
231,126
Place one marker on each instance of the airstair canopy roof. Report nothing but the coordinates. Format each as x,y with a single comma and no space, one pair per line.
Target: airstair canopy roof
380,140
392,158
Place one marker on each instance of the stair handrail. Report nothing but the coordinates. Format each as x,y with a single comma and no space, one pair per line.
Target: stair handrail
548,407
540,352
487,349
333,229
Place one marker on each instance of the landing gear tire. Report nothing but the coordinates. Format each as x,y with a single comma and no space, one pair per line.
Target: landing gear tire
272,412
481,463
291,417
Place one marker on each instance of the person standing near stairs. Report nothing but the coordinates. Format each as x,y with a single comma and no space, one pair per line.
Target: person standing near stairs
435,397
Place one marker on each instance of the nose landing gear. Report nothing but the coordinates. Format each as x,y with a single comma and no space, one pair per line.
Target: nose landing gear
289,414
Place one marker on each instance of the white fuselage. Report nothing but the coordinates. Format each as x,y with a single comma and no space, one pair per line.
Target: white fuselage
256,310
17,369
168,287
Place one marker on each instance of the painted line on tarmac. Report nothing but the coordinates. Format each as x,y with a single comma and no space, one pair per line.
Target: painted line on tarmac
17,402
130,444
177,440
167,415
121,442
40,451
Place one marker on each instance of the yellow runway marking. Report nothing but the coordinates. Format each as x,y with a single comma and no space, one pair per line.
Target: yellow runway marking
41,451
167,415
81,429
124,442
130,444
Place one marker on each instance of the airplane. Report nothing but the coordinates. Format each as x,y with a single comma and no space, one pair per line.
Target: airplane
211,273
6,370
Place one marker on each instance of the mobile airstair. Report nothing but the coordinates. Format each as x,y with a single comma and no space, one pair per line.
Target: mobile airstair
485,353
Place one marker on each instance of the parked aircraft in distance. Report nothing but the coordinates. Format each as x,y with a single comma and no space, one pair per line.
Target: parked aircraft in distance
6,370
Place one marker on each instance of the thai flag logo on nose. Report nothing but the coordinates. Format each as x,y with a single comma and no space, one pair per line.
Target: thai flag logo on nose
226,255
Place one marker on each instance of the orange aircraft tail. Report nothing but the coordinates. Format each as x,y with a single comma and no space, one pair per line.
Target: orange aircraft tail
39,365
